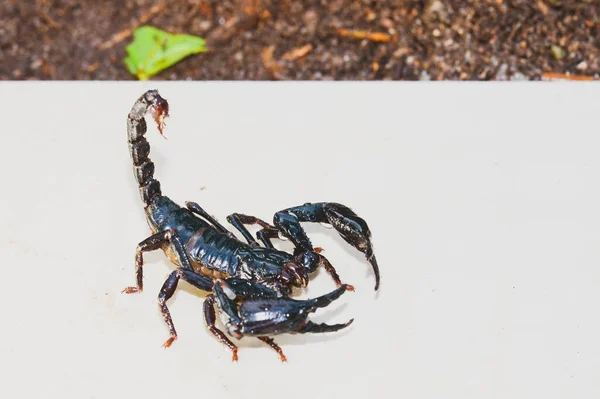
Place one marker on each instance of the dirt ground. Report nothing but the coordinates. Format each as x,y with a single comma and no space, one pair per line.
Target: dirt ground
309,39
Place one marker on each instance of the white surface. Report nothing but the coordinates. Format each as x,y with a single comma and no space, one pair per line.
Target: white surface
483,200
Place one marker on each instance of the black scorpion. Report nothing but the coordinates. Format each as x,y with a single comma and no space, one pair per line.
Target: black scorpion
249,284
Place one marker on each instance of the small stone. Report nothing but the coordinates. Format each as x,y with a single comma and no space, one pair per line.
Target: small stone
502,72
400,52
435,9
558,52
311,20
296,7
35,64
387,23
204,26
582,66
337,61
370,15
335,23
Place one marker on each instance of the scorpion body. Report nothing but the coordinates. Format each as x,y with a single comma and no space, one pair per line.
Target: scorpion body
217,254
242,276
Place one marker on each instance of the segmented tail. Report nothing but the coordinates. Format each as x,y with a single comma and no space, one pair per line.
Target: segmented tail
139,147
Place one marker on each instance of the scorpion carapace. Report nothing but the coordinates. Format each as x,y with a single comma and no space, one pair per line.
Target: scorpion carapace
249,285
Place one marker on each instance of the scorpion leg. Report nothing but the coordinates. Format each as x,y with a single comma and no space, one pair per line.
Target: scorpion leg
349,225
197,280
265,235
197,209
152,243
210,318
166,292
238,221
241,288
331,271
272,344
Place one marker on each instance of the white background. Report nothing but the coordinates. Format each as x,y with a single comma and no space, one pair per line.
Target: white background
483,200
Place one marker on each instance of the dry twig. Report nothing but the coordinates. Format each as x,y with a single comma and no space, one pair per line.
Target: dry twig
364,34
296,53
549,76
125,33
271,66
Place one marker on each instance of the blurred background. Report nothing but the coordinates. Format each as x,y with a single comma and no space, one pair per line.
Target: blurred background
309,39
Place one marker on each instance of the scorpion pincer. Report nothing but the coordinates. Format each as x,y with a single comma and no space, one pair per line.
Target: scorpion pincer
249,285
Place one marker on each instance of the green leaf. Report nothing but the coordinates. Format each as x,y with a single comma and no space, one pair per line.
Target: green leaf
153,50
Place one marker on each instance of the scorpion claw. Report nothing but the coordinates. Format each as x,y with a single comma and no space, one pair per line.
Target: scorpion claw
354,231
351,227
373,262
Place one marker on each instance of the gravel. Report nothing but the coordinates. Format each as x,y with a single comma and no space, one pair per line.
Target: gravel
427,40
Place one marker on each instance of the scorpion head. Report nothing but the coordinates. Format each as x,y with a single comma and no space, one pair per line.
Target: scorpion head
308,259
294,273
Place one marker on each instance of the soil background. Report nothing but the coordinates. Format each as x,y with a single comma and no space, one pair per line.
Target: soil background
309,39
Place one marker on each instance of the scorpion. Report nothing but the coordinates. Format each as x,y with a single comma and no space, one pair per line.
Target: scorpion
249,285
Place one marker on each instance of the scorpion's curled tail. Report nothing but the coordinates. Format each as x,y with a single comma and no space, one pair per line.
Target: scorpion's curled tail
139,147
